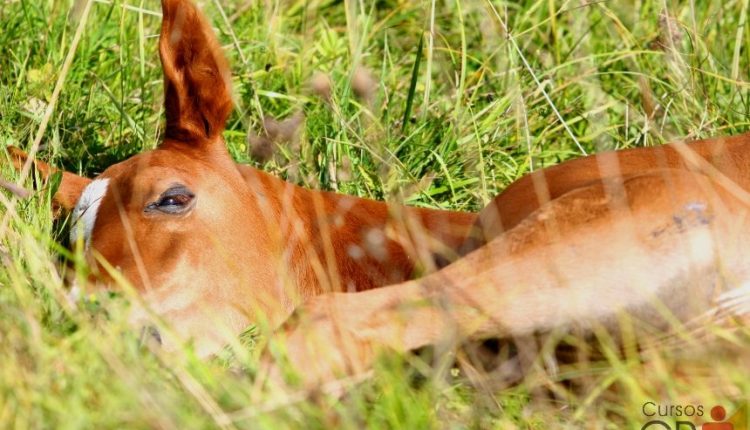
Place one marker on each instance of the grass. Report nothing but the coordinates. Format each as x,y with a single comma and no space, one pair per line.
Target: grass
497,89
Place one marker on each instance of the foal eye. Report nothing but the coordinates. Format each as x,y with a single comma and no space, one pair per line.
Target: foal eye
175,200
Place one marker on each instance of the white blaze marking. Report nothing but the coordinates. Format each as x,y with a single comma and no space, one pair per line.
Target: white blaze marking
84,214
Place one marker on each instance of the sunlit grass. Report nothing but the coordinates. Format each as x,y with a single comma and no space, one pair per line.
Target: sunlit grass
475,110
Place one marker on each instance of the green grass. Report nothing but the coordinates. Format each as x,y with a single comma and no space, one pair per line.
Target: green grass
476,109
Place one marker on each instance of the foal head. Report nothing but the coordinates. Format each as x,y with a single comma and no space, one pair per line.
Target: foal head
180,222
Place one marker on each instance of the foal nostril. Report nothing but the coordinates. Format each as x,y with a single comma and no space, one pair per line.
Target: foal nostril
150,336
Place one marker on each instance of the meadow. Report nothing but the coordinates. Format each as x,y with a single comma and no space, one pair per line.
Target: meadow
434,103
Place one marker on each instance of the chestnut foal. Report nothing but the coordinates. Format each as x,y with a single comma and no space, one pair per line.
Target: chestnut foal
655,233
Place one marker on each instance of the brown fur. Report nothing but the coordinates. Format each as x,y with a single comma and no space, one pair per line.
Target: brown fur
727,155
71,185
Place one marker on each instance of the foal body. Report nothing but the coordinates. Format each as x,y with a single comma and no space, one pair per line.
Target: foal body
647,240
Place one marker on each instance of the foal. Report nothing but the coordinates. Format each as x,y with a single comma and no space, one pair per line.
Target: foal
211,246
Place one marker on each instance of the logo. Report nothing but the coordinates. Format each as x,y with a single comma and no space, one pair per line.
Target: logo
693,417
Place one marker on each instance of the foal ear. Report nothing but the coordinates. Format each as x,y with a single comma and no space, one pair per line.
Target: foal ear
197,80
71,185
